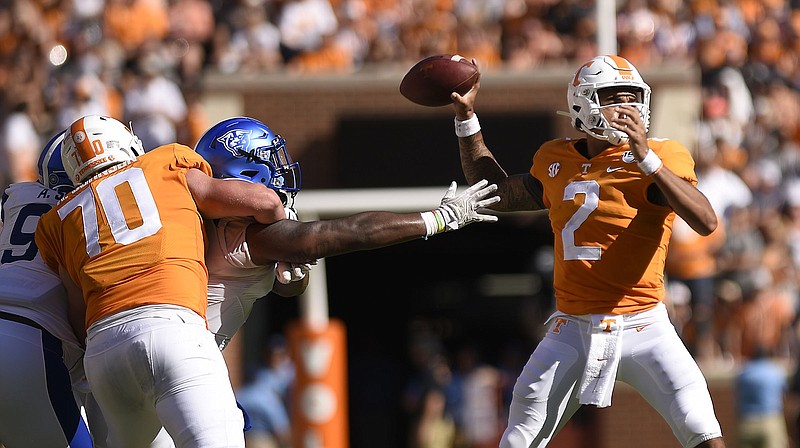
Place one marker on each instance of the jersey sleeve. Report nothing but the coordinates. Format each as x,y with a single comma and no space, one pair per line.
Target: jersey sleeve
45,242
675,157
227,245
543,167
186,157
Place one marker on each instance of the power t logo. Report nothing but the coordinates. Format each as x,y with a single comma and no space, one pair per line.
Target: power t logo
235,141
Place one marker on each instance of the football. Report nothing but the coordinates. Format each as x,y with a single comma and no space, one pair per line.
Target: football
431,81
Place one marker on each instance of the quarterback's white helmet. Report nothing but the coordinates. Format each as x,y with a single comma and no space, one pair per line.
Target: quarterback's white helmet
584,104
94,143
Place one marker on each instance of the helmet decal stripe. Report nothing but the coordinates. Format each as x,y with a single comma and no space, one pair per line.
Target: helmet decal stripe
84,148
620,63
44,170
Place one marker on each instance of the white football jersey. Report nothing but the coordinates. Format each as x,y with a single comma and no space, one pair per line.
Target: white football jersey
234,282
29,288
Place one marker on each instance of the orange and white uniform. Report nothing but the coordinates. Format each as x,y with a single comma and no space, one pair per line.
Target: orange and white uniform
132,238
603,224
610,324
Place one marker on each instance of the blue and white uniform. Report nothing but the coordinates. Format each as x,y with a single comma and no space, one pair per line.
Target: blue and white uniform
42,359
234,281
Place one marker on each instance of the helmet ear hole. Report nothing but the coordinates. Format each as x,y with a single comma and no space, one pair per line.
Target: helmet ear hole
250,174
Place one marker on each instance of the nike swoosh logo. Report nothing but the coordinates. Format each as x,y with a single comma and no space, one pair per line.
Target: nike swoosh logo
612,169
642,327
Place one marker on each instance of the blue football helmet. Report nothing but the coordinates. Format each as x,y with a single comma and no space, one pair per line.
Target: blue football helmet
245,148
52,173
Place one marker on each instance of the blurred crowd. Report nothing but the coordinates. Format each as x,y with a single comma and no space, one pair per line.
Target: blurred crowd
732,295
144,60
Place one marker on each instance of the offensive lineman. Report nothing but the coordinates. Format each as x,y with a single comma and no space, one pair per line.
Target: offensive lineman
128,245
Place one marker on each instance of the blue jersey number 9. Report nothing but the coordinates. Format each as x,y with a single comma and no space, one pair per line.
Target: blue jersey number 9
22,240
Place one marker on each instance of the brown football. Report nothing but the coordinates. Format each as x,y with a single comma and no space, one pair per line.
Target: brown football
431,81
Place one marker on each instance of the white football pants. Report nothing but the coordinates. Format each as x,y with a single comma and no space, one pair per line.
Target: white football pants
159,366
654,361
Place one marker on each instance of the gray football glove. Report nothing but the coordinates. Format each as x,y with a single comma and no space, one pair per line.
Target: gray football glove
459,211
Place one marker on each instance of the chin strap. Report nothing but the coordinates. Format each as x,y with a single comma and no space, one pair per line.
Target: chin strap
615,137
610,135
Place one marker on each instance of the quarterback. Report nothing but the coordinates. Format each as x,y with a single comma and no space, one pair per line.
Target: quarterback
611,197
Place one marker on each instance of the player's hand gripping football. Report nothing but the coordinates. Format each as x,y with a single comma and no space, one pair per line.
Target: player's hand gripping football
456,212
464,105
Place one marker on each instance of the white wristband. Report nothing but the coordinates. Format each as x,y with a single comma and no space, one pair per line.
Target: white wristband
651,163
431,225
467,127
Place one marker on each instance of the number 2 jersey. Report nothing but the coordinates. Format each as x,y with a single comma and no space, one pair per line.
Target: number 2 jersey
132,235
28,288
610,240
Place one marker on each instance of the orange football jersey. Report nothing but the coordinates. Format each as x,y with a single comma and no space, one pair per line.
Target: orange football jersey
132,235
610,241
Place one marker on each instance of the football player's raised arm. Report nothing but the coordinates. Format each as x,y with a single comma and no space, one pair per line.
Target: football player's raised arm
299,242
217,198
478,162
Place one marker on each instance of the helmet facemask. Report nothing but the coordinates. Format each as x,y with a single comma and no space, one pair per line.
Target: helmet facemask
286,178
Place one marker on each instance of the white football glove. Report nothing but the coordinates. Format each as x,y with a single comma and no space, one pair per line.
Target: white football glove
459,211
292,272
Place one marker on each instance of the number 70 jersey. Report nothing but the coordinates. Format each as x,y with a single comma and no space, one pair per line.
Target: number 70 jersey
132,235
610,240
